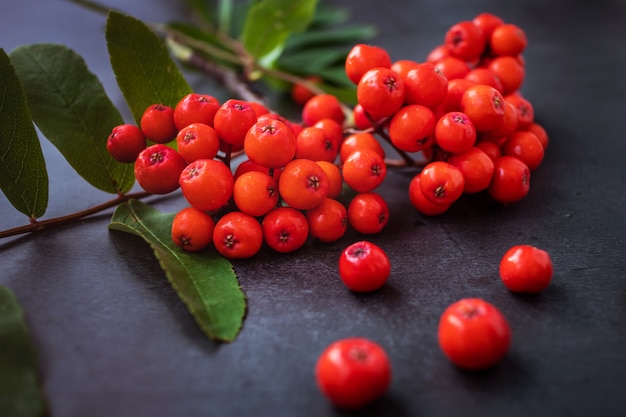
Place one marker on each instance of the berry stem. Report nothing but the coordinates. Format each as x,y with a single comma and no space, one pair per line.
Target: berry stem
36,226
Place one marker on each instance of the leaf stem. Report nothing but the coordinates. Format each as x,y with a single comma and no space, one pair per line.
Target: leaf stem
36,226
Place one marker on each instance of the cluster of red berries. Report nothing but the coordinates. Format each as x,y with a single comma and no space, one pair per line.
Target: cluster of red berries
461,108
283,191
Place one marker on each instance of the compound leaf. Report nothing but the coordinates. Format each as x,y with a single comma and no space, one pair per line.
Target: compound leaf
269,23
144,70
20,393
23,175
205,281
72,110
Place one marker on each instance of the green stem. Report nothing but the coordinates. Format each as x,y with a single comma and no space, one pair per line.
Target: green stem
36,226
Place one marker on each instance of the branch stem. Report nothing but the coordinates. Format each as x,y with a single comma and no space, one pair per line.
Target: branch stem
35,226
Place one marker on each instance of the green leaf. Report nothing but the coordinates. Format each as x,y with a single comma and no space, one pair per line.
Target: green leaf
269,23
312,60
23,175
71,108
331,37
204,281
20,393
144,70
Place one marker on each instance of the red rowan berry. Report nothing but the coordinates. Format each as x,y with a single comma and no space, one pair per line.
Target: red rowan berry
192,229
511,180
484,105
207,184
157,123
322,106
335,180
233,120
441,182
507,39
197,141
158,168
477,169
270,143
412,128
303,184
358,142
455,132
525,146
255,193
363,58
125,143
328,221
465,40
380,92
195,108
368,213
285,229
237,235
364,170
421,203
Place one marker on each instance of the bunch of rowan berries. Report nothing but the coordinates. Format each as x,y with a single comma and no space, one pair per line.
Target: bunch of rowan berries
284,190
461,110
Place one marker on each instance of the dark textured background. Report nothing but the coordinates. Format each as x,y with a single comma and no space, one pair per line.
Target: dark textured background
114,339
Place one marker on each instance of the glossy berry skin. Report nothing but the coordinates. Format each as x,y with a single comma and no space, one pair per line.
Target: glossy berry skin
353,372
380,92
426,85
312,143
473,334
158,168
192,229
526,269
285,229
508,39
157,123
525,146
328,221
237,235
364,266
540,132
465,40
197,141
335,180
477,169
421,203
195,108
322,106
511,180
270,143
441,183
368,213
255,193
233,120
412,127
484,105
363,58
509,72
452,67
125,143
455,132
364,170
358,142
525,111
303,184
484,76
207,184
487,22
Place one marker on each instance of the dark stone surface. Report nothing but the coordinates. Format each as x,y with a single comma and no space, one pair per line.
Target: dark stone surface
114,339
